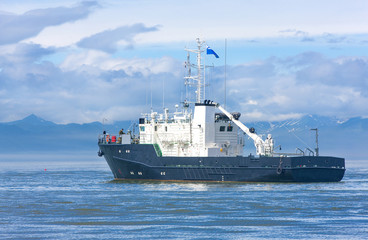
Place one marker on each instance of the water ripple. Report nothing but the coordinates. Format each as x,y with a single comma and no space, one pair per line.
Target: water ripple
79,202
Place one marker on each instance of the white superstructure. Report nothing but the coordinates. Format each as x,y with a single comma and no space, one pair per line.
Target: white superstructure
210,132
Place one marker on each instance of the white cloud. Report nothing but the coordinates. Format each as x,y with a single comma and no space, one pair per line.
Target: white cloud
100,61
108,40
252,102
15,28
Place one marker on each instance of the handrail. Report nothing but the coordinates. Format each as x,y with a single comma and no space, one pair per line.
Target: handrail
300,151
310,152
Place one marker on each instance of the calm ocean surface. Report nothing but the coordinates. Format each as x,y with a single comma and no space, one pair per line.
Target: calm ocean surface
56,197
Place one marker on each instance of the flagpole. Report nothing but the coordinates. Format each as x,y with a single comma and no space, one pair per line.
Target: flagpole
204,75
225,72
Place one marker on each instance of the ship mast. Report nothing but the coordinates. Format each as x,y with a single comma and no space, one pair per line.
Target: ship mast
196,80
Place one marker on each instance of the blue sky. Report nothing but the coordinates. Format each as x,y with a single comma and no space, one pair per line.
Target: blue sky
83,61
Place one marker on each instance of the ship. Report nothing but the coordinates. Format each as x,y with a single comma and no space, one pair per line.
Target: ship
202,141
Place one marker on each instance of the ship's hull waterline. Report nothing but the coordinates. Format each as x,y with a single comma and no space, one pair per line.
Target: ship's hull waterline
140,162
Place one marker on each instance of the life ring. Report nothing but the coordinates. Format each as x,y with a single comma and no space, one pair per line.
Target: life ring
107,138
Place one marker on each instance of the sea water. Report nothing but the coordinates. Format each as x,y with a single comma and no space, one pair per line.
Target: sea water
64,198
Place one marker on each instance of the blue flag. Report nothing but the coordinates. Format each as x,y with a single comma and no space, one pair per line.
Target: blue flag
210,51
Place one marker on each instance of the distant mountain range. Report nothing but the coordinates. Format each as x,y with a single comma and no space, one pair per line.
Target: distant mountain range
34,134
336,138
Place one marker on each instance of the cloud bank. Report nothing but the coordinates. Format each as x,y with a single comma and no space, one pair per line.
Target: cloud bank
113,71
89,86
15,28
308,83
108,40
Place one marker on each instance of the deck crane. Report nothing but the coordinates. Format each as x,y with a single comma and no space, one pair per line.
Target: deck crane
263,147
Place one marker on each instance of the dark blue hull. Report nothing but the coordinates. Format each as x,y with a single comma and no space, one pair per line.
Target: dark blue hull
140,162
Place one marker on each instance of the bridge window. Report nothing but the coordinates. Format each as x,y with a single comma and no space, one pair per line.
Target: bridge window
229,128
222,128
